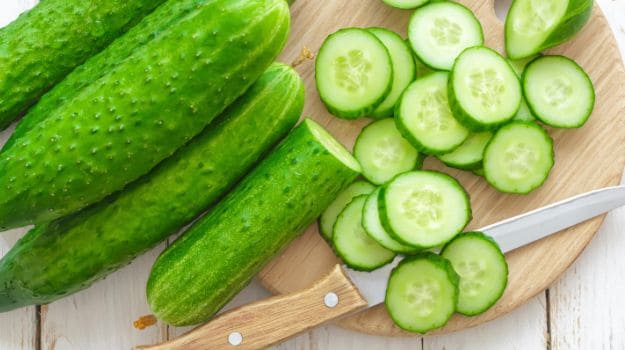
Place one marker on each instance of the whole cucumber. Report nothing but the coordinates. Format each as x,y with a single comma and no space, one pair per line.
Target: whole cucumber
123,124
221,252
67,255
44,44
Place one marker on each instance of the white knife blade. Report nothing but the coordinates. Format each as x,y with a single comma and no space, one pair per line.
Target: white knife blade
513,233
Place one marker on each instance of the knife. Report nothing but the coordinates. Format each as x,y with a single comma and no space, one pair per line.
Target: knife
344,291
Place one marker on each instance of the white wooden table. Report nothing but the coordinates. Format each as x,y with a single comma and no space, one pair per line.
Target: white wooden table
585,309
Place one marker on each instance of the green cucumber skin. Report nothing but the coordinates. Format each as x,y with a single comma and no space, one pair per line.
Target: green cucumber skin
67,255
113,131
44,44
218,256
100,64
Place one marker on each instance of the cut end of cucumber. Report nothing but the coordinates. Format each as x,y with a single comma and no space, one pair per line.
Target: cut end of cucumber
332,145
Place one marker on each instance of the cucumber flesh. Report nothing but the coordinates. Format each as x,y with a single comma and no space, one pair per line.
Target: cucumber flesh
424,208
383,153
354,73
524,114
519,65
519,158
559,92
422,293
424,118
482,268
373,226
328,218
470,154
406,4
440,31
353,244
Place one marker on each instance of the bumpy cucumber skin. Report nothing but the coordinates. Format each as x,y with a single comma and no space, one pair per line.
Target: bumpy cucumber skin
44,44
577,15
491,241
438,261
152,26
113,131
67,255
193,278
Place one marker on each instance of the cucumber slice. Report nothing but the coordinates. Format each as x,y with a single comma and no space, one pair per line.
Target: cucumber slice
524,113
424,118
470,154
535,25
422,69
354,73
406,4
373,226
404,70
422,293
478,172
440,31
328,218
519,158
484,91
519,65
383,153
558,91
482,268
424,208
353,245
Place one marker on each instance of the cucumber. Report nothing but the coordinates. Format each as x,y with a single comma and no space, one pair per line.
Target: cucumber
441,30
69,254
470,154
422,293
424,118
422,69
533,26
383,153
353,245
406,4
424,209
219,255
478,172
373,226
482,268
524,113
484,91
519,65
328,218
404,70
519,158
559,92
113,131
353,73
45,43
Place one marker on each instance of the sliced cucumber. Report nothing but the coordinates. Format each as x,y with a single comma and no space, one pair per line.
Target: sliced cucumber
424,118
519,65
524,114
558,91
422,69
422,293
519,158
373,226
406,4
440,31
404,70
470,154
328,218
535,25
484,91
383,153
354,73
482,268
478,172
424,208
353,244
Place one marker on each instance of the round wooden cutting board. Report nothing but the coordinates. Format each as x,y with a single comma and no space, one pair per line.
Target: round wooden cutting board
588,158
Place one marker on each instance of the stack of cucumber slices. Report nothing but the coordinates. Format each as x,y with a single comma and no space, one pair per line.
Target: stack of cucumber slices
443,93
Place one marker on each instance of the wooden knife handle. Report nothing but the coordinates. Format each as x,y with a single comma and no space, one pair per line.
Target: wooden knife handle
266,322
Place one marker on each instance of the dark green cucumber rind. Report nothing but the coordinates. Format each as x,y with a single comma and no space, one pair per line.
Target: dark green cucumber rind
463,166
359,113
437,261
113,131
395,5
221,252
466,119
420,159
69,254
478,172
45,43
152,26
547,138
491,241
534,110
389,228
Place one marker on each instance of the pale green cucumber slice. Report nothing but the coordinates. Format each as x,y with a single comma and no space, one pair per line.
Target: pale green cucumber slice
470,154
328,218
